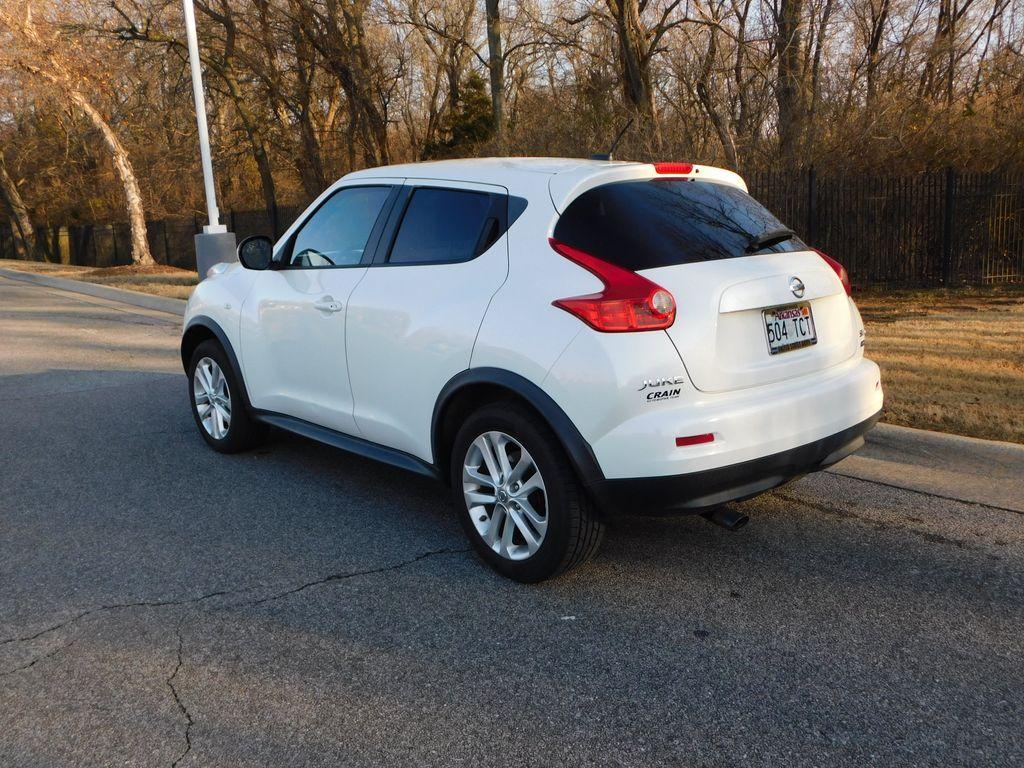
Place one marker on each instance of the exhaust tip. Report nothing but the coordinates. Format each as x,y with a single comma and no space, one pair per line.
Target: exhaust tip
725,517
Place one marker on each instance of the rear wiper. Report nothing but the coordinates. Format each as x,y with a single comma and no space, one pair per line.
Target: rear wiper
769,237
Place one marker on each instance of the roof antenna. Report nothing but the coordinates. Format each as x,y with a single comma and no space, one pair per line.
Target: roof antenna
609,155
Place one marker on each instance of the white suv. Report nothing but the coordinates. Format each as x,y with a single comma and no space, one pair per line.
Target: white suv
558,340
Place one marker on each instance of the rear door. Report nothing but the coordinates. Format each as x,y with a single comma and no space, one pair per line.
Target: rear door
413,319
751,308
293,319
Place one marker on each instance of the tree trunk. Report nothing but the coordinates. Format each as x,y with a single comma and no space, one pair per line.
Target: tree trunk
21,222
314,177
132,194
879,19
496,70
636,69
711,106
789,89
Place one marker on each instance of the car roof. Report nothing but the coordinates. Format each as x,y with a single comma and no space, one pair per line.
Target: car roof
562,178
517,174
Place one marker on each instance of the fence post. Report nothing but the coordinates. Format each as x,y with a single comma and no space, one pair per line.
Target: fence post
812,206
948,225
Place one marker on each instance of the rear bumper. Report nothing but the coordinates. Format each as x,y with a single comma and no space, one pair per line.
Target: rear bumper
697,491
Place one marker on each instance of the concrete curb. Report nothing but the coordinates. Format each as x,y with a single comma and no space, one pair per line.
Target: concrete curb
896,432
133,298
968,469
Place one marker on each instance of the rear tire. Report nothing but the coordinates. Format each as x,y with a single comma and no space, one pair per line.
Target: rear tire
215,394
534,490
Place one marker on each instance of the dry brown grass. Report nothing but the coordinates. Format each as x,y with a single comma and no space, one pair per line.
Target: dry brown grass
951,360
159,280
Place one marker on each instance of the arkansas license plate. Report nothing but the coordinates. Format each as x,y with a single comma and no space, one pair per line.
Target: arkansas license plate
788,328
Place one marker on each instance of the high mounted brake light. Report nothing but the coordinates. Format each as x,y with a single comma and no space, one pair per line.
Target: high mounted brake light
840,270
674,168
628,301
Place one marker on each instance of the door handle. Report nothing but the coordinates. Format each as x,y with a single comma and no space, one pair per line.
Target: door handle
327,304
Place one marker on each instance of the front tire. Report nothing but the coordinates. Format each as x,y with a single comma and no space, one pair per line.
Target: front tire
215,395
519,499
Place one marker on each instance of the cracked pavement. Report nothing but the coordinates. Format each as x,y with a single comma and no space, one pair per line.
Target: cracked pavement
164,605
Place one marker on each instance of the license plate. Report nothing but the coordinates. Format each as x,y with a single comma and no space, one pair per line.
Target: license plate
788,328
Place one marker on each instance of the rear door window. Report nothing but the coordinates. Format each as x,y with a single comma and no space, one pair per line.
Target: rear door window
664,222
442,226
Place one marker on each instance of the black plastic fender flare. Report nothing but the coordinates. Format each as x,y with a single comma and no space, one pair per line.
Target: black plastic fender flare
576,447
211,325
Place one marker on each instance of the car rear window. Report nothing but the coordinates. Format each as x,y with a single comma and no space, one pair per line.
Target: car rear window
665,222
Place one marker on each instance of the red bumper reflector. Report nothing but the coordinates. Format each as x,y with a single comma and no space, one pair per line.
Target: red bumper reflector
694,440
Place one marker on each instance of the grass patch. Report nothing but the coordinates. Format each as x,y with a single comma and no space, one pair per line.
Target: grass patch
159,280
952,359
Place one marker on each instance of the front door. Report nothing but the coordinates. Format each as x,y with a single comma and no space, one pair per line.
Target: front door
293,320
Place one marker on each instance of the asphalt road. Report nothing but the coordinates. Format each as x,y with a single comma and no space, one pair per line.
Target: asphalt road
161,604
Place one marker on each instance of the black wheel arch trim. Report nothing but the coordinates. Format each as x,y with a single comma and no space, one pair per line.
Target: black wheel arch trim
211,325
576,447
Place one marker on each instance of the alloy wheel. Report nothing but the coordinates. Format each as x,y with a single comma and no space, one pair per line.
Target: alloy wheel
505,495
212,398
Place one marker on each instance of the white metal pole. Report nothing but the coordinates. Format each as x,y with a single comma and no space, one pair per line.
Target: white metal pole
204,133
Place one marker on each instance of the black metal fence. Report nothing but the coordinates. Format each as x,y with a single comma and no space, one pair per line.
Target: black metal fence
930,229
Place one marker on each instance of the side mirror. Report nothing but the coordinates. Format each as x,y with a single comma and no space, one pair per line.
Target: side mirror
256,252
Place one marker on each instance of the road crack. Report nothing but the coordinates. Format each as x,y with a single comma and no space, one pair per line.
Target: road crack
340,576
123,606
38,659
189,722
343,575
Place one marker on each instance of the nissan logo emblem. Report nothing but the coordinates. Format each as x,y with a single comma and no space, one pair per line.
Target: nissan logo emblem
796,285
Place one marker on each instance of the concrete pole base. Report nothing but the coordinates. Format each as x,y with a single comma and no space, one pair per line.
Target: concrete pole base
214,248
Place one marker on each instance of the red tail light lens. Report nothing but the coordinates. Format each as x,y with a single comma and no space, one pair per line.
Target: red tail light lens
839,269
628,302
678,168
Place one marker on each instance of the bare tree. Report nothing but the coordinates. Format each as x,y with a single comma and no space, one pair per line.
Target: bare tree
21,222
39,53
496,71
790,87
300,91
639,36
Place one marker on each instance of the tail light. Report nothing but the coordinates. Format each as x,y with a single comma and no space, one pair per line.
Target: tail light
628,302
839,269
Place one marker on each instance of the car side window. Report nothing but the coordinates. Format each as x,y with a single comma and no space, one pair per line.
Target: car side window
442,226
336,234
